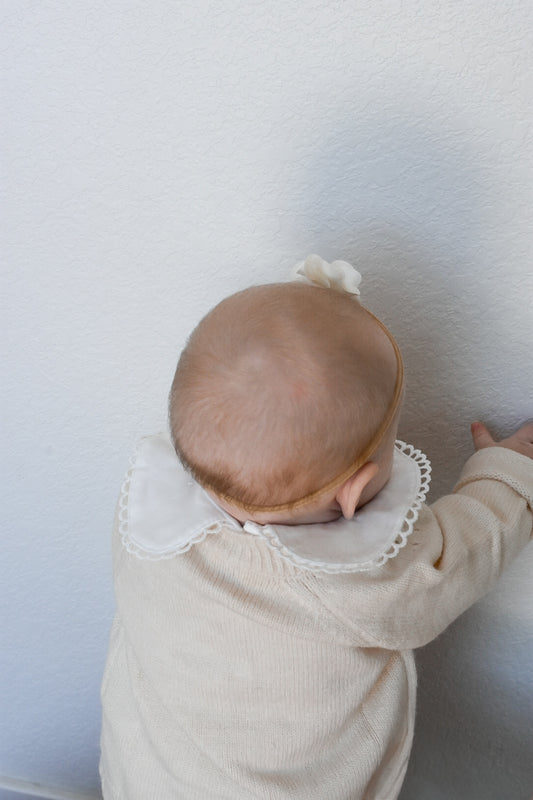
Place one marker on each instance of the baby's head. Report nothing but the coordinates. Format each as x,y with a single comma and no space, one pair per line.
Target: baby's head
285,396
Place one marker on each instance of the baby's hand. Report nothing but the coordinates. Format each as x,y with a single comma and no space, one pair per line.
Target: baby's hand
521,441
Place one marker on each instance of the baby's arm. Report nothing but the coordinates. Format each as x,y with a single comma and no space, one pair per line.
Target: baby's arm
459,547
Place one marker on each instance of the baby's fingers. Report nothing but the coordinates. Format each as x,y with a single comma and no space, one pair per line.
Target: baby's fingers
481,436
525,433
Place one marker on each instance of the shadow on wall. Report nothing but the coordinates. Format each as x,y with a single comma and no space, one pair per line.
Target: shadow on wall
404,202
399,200
477,713
11,789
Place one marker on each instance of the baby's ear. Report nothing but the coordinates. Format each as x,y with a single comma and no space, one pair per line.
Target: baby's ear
350,491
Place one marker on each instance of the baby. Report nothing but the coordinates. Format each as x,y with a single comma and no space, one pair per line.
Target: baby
272,583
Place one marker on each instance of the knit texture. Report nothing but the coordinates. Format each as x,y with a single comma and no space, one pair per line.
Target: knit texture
233,673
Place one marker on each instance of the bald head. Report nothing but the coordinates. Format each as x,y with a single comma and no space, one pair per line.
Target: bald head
278,390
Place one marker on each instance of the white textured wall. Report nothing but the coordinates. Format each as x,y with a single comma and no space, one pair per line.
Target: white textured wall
162,155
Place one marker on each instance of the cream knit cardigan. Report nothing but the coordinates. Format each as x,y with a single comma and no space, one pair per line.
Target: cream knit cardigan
235,674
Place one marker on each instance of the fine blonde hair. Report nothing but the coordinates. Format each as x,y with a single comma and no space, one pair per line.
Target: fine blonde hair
278,390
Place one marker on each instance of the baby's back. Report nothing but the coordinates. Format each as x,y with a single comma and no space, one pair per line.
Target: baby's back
227,677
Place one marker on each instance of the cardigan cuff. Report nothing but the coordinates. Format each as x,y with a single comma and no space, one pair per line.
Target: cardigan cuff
503,465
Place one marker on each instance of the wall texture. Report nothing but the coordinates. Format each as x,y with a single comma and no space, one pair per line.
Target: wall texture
161,155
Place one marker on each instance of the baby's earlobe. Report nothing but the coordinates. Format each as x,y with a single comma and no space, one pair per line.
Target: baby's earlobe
350,492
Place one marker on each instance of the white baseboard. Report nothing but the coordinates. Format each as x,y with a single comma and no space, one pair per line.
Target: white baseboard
37,790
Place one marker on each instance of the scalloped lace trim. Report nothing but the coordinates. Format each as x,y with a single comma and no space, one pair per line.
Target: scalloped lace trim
411,517
268,533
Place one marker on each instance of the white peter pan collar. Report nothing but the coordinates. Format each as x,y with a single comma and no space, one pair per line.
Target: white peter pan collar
163,512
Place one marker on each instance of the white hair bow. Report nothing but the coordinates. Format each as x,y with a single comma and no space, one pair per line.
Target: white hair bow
338,275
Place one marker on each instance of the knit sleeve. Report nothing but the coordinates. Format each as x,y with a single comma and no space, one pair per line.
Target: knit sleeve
458,549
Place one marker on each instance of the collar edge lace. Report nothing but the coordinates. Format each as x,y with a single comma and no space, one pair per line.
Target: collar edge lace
267,532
